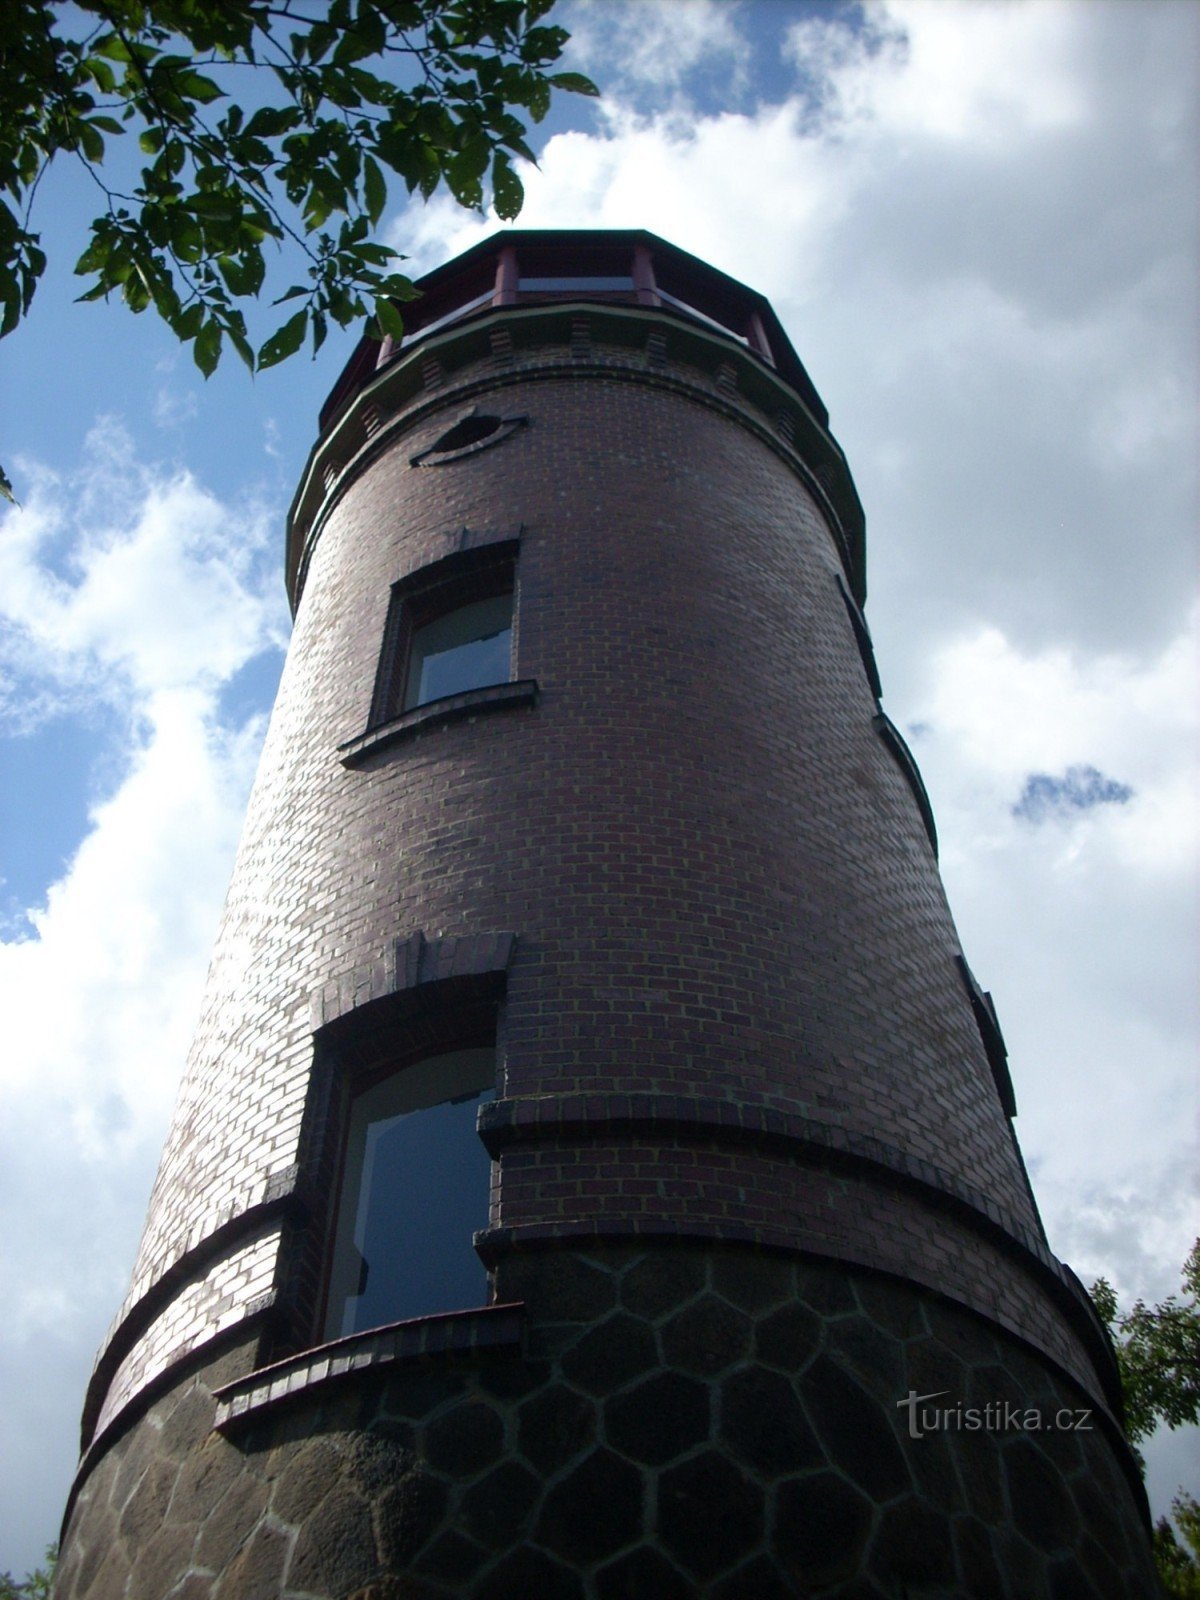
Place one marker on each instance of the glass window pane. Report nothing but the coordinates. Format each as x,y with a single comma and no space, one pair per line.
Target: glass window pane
470,648
414,1190
545,285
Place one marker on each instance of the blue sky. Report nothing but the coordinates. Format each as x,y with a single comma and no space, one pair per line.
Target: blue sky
979,225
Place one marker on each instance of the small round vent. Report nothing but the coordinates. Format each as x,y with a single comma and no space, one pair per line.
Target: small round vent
469,433
471,430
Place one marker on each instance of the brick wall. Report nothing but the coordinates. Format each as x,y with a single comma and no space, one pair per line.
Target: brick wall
717,874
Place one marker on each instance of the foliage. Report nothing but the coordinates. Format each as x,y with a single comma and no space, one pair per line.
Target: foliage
1158,1352
332,100
1179,1567
36,1585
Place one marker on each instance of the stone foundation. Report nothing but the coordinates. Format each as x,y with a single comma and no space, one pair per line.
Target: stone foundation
679,1424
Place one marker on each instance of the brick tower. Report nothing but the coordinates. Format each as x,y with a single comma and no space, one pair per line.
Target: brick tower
583,862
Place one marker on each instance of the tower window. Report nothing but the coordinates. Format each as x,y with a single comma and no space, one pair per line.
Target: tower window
449,630
414,1189
469,647
595,285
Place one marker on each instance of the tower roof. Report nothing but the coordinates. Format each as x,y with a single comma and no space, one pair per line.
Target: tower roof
527,265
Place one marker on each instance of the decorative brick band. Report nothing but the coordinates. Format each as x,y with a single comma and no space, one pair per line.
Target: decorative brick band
896,743
453,1333
845,528
223,1234
606,1123
503,1123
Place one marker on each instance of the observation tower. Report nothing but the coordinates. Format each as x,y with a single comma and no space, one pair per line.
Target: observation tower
594,1174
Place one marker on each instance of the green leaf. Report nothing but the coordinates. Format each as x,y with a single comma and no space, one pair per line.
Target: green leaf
271,121
151,140
285,342
397,288
508,192
195,86
186,324
112,46
543,44
374,190
573,83
236,329
94,257
101,74
389,319
243,274
91,143
206,352
316,210
214,207
11,314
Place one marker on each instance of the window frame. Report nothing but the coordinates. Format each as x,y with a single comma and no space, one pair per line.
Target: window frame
353,1094
428,998
437,605
435,591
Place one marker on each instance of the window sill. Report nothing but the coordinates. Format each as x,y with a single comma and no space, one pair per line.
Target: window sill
451,708
451,1333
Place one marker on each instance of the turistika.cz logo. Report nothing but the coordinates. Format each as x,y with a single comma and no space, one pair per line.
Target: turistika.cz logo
997,1416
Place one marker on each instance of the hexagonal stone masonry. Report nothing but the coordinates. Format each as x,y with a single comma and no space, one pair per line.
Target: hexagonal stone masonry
595,1511
723,1428
706,1337
659,1419
764,1425
822,1527
710,1514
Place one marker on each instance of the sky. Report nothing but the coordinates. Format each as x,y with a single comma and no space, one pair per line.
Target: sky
978,223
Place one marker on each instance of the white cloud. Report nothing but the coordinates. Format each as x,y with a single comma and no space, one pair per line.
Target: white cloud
142,591
1084,926
657,46
153,585
954,74
173,408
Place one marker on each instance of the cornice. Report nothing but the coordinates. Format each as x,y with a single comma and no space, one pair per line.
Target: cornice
687,359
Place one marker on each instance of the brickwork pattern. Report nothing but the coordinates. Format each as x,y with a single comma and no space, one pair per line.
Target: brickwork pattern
684,1425
208,1306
